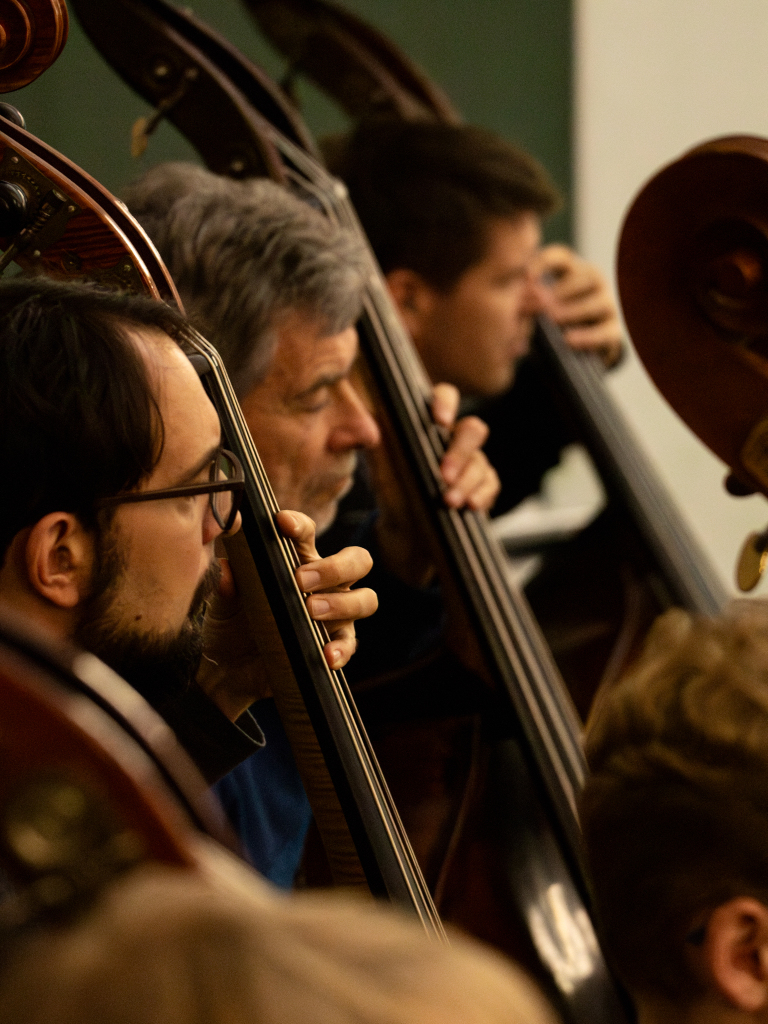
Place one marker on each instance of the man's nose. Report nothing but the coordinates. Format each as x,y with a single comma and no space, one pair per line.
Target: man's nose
212,530
537,295
356,427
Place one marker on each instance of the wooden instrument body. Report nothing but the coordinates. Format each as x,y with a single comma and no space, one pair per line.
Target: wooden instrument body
53,726
93,784
692,266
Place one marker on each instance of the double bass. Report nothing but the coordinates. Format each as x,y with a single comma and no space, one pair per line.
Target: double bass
93,781
93,784
540,766
57,220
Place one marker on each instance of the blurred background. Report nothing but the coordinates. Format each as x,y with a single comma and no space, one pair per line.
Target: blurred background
603,92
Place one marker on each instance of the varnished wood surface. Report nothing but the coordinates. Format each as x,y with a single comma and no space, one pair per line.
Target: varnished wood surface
698,323
32,35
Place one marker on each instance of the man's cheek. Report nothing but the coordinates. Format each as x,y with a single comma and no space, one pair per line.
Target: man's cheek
207,586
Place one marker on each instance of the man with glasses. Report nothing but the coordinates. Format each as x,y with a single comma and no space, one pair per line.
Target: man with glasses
118,489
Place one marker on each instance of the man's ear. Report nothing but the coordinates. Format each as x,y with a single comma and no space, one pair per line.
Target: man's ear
735,953
59,559
414,298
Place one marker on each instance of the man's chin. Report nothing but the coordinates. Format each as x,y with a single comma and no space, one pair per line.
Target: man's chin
519,348
324,513
491,384
325,517
153,664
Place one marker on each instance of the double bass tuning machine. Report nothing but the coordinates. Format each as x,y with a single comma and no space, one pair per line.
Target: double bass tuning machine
33,212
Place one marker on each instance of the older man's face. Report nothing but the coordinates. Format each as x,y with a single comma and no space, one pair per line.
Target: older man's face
308,420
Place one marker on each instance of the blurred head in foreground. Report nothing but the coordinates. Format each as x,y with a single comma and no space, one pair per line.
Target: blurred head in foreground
675,816
167,945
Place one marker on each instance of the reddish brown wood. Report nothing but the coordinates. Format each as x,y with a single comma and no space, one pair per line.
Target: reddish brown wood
44,733
32,35
693,280
93,244
364,71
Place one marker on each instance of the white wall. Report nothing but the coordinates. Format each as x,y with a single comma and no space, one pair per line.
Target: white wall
654,77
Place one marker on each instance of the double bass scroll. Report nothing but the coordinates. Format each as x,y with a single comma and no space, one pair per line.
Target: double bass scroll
693,280
32,35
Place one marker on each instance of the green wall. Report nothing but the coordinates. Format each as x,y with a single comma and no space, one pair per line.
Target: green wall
505,64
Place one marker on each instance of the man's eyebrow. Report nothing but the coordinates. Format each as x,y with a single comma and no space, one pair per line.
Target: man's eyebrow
198,468
326,381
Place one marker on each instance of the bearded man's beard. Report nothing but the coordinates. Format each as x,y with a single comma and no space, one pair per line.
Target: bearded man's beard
158,665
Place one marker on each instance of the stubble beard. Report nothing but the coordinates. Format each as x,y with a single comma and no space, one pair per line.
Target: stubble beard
153,663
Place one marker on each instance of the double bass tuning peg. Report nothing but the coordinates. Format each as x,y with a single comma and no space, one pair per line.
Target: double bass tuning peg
752,561
14,201
10,113
14,209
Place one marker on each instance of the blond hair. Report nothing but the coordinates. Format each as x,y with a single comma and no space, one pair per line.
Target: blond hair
221,946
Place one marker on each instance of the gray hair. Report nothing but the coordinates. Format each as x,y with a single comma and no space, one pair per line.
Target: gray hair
245,254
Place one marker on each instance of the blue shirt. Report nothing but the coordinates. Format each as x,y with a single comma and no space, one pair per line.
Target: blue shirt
265,801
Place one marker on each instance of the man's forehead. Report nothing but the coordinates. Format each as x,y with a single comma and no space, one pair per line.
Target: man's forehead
306,347
155,346
167,365
177,388
519,235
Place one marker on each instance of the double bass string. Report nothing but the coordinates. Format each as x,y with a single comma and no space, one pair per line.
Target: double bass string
689,572
534,684
543,874
336,690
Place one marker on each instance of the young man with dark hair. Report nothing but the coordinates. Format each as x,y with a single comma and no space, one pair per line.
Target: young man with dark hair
675,818
108,522
453,213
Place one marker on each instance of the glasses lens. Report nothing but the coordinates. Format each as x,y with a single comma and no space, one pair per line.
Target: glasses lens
222,506
222,501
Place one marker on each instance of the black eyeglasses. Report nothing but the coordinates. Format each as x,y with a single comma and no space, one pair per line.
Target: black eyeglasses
225,489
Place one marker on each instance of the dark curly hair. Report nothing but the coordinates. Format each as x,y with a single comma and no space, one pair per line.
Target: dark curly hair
78,420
